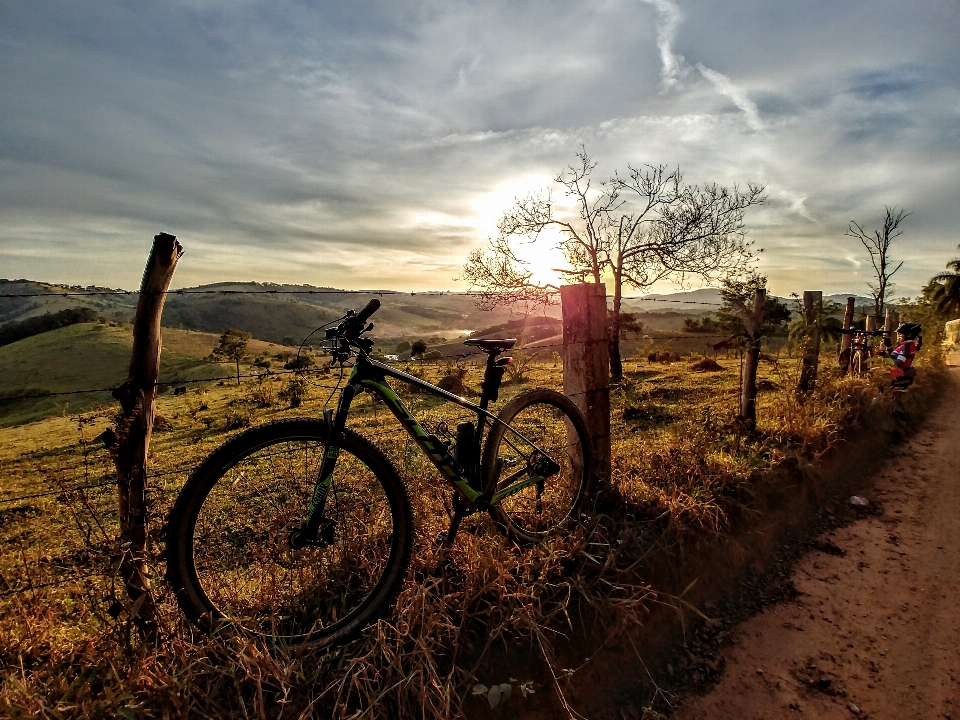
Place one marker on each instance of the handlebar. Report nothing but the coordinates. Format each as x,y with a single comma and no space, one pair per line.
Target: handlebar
370,308
347,333
855,331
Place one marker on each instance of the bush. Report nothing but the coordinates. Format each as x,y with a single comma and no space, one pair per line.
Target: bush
294,392
263,394
418,348
517,370
453,382
236,419
299,362
663,356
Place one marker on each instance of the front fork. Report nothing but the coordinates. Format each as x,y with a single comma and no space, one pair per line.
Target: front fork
317,530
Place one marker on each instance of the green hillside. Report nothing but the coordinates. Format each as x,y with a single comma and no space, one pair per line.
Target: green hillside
91,356
268,311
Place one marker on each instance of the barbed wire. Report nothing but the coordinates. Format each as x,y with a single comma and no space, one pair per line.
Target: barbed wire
379,293
159,383
91,293
272,373
55,583
61,491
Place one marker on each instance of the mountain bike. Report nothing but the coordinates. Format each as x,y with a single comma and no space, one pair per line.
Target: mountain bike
300,531
861,349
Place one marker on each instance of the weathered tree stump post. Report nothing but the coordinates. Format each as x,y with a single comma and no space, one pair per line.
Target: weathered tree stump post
751,360
133,429
871,325
586,366
812,307
891,321
846,339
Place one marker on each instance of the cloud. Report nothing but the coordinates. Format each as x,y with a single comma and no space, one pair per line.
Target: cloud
669,17
327,143
727,88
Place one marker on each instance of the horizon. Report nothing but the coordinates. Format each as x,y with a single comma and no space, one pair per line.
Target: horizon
102,290
378,144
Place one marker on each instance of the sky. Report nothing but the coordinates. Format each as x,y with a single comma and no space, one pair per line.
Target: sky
375,144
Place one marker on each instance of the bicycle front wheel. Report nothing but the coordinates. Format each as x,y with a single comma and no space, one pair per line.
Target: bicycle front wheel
857,363
229,556
537,425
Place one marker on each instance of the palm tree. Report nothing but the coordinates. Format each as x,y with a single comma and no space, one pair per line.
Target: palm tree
943,290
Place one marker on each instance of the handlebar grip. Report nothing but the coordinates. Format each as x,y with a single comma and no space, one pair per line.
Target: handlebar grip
370,309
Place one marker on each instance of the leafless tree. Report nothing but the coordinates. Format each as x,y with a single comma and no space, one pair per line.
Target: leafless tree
677,231
877,244
641,228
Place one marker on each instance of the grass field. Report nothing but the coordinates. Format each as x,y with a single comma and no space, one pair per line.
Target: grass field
66,647
91,356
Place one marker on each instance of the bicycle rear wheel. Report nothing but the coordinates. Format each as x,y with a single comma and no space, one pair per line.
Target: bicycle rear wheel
228,553
535,424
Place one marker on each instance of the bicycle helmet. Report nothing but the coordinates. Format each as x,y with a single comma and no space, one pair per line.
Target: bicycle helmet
910,330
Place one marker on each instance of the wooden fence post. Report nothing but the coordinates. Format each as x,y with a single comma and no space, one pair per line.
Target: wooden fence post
133,428
751,359
846,339
812,306
891,321
586,366
871,325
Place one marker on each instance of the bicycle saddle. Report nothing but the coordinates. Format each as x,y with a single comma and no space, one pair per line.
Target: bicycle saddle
492,345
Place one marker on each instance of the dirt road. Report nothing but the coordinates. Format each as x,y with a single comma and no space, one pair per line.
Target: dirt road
875,631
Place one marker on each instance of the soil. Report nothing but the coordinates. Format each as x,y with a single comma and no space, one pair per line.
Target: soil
865,618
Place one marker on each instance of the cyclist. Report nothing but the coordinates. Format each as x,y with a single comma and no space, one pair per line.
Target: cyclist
900,358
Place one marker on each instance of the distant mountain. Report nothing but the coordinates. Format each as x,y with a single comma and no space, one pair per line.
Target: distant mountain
709,299
271,312
288,313
693,301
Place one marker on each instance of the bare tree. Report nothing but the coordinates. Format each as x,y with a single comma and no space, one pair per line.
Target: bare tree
639,229
877,244
677,231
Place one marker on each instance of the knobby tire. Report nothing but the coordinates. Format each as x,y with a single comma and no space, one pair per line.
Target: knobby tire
228,556
554,423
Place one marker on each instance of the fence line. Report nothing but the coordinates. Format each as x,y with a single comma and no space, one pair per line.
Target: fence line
268,373
61,491
380,293
55,583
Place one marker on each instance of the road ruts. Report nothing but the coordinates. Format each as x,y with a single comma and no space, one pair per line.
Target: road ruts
875,632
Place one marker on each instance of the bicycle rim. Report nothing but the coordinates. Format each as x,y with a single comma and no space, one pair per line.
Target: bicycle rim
239,567
539,421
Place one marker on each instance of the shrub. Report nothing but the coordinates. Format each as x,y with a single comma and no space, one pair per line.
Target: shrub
299,362
663,356
418,348
516,371
263,394
453,382
294,392
236,419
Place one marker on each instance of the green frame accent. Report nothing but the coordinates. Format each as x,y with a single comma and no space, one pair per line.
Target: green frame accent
371,375
438,455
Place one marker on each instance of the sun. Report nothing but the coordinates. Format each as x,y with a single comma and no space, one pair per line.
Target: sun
542,257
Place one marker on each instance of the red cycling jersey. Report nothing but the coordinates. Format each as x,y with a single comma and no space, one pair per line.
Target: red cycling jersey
902,357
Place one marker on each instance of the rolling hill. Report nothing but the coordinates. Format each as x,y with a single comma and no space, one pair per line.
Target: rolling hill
92,356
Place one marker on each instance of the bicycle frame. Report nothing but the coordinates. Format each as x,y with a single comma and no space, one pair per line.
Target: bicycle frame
860,340
369,374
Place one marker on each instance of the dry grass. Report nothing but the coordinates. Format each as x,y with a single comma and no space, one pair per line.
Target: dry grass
481,612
